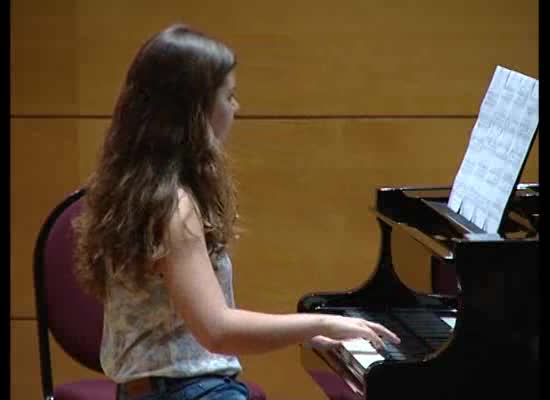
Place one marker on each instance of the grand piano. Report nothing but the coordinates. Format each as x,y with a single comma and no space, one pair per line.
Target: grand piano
475,334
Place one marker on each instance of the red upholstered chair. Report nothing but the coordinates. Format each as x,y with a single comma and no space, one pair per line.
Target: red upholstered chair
74,318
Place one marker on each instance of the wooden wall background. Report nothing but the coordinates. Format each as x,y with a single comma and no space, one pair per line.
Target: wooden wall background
336,99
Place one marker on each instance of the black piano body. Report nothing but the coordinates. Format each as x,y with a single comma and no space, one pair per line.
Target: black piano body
492,351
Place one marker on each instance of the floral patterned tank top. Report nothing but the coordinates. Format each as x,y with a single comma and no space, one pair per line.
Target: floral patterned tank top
144,336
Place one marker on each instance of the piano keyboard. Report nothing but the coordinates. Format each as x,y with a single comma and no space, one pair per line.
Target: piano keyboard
421,332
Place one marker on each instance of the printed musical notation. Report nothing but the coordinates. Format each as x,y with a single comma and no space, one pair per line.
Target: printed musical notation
499,144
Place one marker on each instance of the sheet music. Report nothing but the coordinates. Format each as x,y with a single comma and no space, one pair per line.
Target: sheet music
499,143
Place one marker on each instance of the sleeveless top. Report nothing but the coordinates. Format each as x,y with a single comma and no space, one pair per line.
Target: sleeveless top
143,335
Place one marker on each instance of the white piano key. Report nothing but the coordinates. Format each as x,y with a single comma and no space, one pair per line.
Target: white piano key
366,359
451,321
358,345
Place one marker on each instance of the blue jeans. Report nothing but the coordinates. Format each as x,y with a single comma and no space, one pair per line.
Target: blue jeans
201,388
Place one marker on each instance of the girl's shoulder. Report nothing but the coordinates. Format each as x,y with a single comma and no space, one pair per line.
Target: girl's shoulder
185,194
187,202
187,217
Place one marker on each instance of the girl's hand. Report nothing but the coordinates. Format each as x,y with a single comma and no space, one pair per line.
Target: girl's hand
339,328
321,342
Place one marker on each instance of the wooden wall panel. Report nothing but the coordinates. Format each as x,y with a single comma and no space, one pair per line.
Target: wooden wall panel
309,57
44,168
25,369
44,57
50,159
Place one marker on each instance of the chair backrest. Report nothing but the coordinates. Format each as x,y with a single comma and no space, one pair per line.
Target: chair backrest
74,318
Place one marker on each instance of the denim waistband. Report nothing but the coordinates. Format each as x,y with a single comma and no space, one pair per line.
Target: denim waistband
171,381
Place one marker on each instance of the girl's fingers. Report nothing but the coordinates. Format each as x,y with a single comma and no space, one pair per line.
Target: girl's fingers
383,331
323,342
376,341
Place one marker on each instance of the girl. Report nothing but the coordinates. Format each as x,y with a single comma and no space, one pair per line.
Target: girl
154,235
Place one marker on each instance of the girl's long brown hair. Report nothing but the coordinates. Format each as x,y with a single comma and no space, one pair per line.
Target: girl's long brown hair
158,141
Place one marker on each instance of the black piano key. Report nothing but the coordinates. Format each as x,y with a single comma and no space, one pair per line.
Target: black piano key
410,346
425,325
421,331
